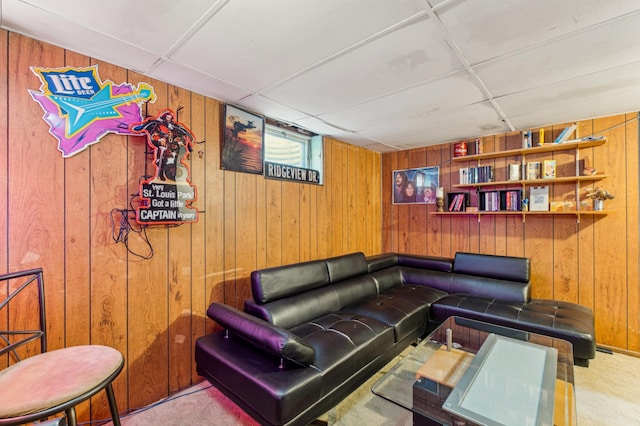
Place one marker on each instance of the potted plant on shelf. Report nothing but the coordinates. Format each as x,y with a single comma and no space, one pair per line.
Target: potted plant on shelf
598,195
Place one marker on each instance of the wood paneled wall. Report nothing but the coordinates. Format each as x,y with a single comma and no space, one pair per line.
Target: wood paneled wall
58,216
593,262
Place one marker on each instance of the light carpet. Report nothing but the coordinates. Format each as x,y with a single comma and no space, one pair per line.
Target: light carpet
607,393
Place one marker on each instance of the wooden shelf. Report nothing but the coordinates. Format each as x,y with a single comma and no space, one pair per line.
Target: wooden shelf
535,182
548,147
576,213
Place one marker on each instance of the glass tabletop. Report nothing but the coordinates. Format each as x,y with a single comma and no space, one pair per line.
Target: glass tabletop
485,374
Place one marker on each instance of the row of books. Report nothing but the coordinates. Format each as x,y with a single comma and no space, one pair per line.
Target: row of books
533,170
495,201
476,174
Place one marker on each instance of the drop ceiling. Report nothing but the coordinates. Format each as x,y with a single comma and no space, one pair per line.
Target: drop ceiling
384,74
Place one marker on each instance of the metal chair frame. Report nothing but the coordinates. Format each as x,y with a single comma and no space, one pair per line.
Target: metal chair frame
30,276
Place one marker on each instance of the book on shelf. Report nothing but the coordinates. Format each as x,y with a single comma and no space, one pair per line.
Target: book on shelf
511,200
527,140
549,167
457,202
565,134
539,199
533,170
489,201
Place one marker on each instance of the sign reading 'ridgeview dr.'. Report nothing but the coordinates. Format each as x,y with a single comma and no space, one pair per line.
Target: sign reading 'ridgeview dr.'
284,172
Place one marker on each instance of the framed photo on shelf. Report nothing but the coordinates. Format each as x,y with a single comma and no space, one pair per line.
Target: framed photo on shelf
415,186
243,141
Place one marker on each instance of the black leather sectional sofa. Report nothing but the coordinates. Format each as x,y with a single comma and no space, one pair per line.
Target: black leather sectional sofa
317,330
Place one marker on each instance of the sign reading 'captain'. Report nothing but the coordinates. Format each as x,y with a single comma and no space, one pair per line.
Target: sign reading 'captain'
284,172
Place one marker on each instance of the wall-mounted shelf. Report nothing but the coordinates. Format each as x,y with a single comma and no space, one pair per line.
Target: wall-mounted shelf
548,147
524,214
535,182
576,179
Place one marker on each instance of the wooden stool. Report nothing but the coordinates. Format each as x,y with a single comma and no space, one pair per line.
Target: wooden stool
56,381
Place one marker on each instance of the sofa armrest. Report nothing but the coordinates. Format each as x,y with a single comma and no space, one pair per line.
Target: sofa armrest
261,334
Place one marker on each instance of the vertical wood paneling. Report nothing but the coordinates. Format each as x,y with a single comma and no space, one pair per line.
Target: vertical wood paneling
214,207
178,329
4,178
586,254
632,190
77,238
148,281
35,233
290,208
198,259
610,239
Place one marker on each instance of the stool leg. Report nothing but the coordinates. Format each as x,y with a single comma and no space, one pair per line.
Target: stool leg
115,416
71,416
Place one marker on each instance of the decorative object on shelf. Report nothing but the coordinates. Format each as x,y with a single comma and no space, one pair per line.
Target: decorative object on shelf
587,170
539,199
440,199
549,167
460,149
598,195
479,146
514,171
533,170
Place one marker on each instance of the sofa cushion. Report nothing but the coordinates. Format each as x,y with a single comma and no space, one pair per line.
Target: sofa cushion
344,343
563,320
272,284
507,268
403,307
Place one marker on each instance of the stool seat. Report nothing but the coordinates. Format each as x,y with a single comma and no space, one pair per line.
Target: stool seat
56,381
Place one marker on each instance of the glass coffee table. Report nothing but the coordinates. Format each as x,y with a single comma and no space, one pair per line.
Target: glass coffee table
468,372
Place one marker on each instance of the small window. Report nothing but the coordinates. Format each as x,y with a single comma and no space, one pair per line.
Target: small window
291,153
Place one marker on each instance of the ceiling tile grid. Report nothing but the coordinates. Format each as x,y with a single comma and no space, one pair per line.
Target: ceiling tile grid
387,75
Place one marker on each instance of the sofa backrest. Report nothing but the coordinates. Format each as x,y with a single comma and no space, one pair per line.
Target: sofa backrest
387,260
347,266
270,284
275,283
508,268
297,309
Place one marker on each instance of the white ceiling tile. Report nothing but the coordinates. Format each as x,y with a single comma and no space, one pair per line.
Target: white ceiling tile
275,110
59,31
152,25
255,44
612,92
403,58
196,81
447,93
487,29
467,122
605,46
320,127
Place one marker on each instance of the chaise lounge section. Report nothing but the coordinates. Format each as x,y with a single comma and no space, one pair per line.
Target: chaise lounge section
315,331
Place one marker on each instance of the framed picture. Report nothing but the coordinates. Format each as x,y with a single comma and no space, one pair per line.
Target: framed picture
415,186
243,141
